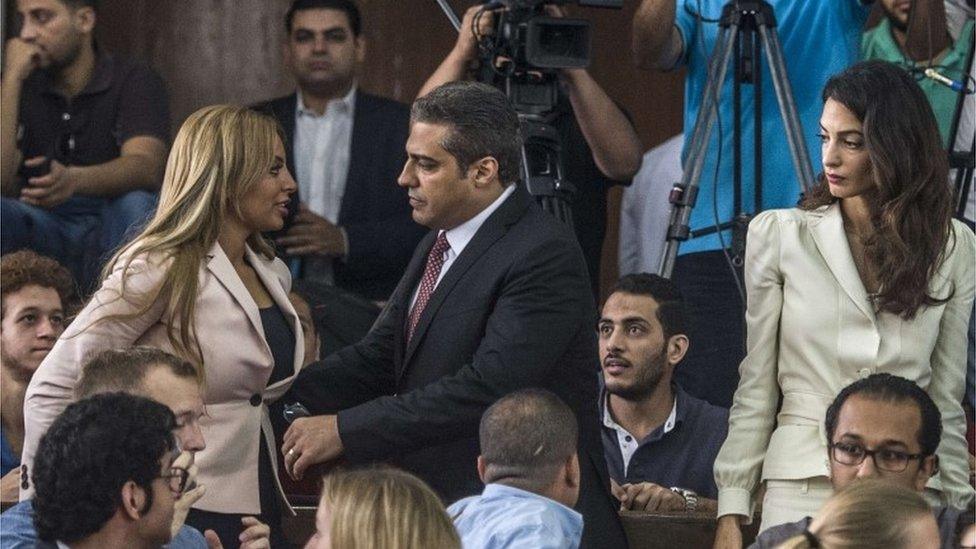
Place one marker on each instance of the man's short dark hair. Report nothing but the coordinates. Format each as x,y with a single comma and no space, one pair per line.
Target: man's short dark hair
525,437
27,268
892,389
346,6
125,370
482,123
91,450
670,303
75,4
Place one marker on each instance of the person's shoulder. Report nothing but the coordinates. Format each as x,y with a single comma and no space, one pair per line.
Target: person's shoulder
187,538
128,68
17,526
962,244
776,535
381,104
275,105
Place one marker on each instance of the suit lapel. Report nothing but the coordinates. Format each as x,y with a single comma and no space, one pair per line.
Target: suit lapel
493,228
359,156
219,265
827,228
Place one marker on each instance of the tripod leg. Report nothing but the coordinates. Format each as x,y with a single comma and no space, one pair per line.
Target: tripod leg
787,107
698,145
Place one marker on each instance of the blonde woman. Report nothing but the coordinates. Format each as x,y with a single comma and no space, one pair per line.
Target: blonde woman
871,514
202,283
380,508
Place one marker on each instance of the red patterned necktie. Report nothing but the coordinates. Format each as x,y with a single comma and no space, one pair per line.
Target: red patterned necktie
435,260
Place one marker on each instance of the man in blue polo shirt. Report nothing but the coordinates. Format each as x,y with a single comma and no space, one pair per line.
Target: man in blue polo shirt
659,441
818,38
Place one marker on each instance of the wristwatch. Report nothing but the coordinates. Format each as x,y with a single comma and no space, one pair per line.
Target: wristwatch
691,498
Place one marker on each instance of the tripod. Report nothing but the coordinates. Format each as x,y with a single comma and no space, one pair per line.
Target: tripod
542,167
961,161
748,26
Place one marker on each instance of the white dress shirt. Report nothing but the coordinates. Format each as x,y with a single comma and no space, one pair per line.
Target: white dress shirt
460,236
322,147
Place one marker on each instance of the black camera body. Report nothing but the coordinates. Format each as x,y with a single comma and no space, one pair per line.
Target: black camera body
526,49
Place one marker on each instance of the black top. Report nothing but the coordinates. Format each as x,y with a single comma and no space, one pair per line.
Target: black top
122,100
281,340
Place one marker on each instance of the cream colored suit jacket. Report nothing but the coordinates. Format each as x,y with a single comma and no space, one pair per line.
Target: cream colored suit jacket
812,330
237,366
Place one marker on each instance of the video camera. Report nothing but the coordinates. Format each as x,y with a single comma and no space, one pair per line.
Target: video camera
528,46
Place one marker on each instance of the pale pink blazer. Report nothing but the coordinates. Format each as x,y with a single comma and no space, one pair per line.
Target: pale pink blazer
237,366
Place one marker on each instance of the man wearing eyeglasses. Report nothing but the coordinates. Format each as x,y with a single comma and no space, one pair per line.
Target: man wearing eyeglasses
885,427
104,475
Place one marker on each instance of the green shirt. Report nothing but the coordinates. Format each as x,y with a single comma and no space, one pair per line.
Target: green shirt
879,43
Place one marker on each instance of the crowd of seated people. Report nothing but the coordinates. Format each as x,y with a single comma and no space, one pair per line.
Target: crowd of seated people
163,384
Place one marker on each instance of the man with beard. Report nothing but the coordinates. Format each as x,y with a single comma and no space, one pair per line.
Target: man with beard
915,35
659,442
34,293
82,138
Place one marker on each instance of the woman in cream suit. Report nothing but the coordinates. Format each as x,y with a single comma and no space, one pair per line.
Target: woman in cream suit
869,275
201,282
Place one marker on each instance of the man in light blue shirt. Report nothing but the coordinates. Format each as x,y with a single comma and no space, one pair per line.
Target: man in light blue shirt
531,473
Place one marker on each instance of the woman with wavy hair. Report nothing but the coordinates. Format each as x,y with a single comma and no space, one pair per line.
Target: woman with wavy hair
870,274
201,282
380,508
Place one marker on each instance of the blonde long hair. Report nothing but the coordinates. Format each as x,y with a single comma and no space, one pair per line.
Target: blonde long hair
868,514
220,152
385,508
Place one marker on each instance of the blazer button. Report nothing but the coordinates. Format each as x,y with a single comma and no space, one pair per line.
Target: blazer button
864,372
255,400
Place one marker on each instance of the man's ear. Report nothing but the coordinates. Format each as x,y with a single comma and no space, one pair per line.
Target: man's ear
360,43
572,471
484,172
286,54
928,467
677,348
85,19
482,468
133,500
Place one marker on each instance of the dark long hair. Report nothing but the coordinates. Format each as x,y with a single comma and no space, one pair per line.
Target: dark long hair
911,208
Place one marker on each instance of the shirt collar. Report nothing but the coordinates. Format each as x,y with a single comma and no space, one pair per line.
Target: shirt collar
101,78
347,103
460,236
501,490
677,415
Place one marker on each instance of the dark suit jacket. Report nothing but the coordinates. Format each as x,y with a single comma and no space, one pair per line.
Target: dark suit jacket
375,211
513,311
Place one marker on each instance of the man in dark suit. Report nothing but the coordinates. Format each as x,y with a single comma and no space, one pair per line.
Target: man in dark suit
496,298
352,226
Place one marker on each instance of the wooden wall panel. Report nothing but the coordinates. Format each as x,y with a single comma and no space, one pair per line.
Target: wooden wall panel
212,51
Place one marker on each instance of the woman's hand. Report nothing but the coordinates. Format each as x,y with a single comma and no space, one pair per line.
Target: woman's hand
728,534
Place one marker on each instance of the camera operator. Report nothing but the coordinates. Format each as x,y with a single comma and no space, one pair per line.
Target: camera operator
600,144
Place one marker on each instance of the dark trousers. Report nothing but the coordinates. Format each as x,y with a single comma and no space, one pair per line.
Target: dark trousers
228,526
710,370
